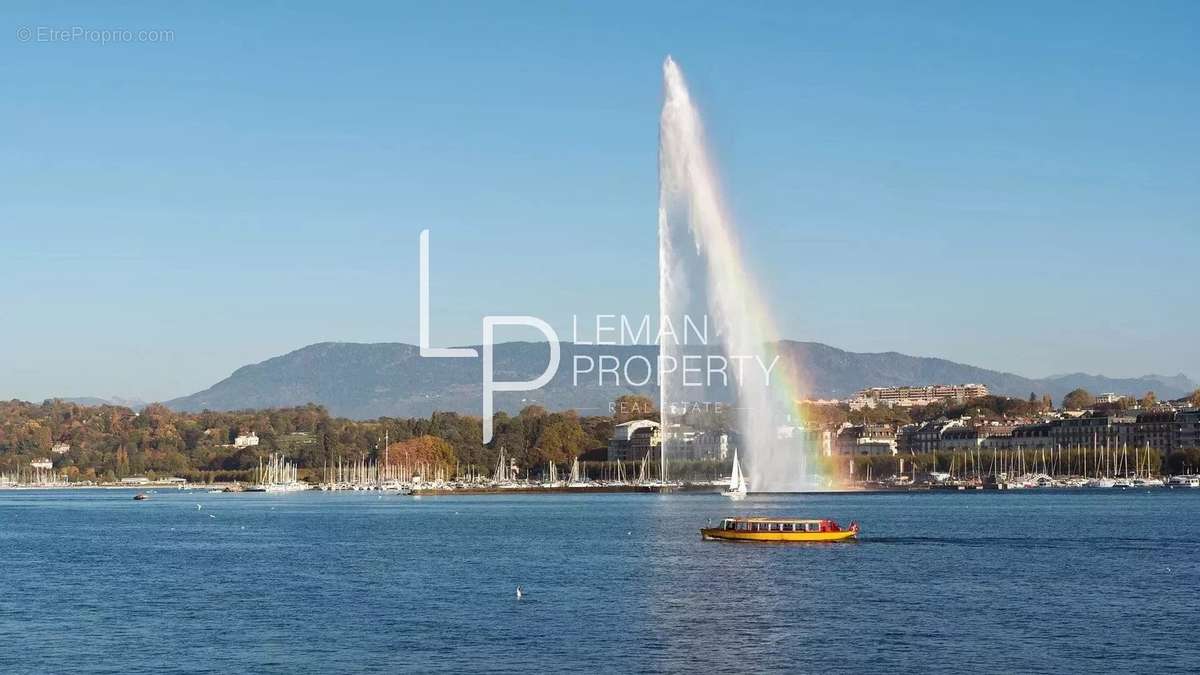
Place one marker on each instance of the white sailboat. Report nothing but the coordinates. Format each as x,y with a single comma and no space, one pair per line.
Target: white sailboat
278,475
577,477
737,481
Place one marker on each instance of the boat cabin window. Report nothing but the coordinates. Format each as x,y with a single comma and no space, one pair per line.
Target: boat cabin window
813,527
727,524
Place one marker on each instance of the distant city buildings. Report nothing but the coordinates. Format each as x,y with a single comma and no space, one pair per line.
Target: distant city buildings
906,397
1163,429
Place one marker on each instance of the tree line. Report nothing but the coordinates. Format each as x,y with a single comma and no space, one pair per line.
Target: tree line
111,442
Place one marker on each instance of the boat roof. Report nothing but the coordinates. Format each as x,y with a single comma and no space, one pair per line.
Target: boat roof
765,519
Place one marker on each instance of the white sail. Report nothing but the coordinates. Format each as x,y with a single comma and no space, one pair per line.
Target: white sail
737,480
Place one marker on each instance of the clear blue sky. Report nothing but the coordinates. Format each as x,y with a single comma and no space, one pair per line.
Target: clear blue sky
1012,185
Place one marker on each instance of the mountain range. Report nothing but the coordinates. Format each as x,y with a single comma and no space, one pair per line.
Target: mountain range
364,381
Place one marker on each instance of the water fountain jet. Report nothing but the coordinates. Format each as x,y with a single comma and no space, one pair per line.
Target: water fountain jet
702,273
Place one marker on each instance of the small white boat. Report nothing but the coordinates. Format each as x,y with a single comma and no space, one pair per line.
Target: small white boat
737,481
1184,481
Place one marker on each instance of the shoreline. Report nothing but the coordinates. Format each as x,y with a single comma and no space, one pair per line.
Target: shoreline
606,489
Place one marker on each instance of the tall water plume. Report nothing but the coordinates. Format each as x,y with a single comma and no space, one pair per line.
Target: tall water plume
703,278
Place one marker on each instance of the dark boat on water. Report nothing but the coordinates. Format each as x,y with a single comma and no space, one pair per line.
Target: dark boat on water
141,497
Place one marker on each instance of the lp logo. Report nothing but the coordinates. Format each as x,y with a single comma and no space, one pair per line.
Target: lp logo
490,385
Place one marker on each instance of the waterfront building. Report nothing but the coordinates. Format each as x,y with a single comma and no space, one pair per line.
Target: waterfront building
927,437
1158,429
60,448
865,439
633,440
1188,430
42,463
805,437
1100,431
1022,437
709,445
818,439
961,438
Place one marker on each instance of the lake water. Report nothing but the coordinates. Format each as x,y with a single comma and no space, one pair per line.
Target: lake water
355,582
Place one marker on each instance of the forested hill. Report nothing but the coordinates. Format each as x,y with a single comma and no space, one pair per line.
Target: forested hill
364,381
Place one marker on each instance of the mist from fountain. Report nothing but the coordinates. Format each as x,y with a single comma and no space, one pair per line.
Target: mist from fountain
702,274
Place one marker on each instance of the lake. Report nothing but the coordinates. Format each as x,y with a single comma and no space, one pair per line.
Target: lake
1037,580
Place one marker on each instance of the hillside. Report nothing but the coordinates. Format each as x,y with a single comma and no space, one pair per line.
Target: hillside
364,381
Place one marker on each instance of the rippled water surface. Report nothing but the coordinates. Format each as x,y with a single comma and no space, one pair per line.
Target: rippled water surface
312,582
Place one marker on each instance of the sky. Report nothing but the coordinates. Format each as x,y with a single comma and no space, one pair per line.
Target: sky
1010,185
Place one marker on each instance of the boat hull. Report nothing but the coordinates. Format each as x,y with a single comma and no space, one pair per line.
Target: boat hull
739,535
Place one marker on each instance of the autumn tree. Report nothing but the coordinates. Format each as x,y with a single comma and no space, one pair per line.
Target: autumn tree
561,441
1079,399
633,407
423,452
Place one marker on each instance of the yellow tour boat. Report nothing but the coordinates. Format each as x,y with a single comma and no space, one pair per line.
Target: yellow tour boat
779,529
